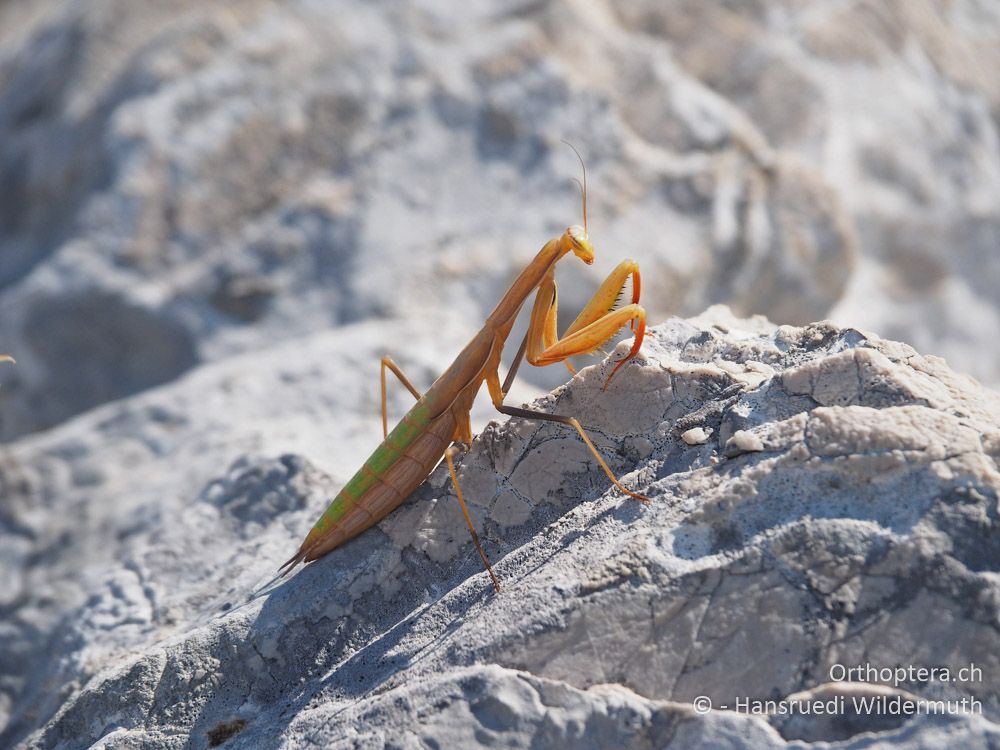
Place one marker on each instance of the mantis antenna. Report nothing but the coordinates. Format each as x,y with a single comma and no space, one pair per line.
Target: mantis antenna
583,185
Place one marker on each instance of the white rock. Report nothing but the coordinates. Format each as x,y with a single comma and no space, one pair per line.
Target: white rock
695,436
743,441
751,575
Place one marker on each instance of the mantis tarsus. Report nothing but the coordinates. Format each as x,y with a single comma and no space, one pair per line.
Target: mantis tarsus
440,419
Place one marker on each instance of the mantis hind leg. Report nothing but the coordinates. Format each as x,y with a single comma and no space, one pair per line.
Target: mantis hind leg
452,450
387,362
464,432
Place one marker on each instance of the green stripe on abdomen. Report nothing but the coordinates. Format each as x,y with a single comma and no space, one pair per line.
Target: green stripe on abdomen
389,451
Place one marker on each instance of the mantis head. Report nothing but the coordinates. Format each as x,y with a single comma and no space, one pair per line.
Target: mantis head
579,243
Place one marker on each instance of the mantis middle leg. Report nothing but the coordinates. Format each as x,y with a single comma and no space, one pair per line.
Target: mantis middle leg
595,324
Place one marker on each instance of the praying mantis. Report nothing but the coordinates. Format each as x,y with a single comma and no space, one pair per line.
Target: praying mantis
439,422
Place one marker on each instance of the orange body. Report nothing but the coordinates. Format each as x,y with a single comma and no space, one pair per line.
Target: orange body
441,416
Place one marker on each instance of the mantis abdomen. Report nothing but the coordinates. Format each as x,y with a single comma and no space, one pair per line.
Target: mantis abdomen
393,471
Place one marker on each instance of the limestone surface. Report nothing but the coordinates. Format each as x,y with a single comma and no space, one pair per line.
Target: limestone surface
837,511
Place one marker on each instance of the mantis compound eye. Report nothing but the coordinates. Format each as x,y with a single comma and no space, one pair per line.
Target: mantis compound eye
581,244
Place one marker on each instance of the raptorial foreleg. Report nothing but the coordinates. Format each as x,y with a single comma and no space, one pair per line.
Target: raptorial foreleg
596,323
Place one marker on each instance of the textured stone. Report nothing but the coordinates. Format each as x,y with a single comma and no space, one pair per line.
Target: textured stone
868,500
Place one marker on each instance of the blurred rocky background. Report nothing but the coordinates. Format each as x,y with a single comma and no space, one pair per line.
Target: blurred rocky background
193,190
180,181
